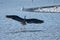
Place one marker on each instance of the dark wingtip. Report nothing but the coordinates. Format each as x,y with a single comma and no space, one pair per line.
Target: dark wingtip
7,16
10,16
42,21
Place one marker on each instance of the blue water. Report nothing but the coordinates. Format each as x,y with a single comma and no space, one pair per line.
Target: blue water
50,28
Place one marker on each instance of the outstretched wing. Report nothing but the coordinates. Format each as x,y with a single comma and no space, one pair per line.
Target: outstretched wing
34,21
14,17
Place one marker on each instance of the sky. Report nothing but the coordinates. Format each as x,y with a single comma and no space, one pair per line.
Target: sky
10,29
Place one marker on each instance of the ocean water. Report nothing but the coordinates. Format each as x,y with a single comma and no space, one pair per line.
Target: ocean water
10,29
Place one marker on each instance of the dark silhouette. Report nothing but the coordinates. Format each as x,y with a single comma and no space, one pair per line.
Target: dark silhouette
24,21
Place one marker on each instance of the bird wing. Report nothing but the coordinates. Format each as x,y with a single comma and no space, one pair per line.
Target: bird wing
34,21
14,17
